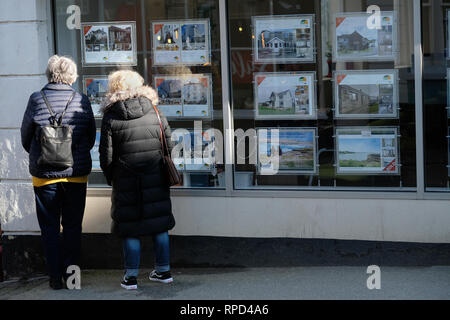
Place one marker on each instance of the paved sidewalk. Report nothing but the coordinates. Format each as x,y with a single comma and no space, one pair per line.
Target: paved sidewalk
250,283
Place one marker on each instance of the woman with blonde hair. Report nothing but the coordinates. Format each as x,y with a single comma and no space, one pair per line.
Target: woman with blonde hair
59,174
132,162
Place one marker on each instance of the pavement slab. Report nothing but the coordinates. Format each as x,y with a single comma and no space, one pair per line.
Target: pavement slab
293,283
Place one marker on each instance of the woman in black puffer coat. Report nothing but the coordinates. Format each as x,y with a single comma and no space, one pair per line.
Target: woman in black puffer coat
131,159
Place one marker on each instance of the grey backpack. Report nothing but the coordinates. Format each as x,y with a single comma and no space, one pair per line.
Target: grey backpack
56,140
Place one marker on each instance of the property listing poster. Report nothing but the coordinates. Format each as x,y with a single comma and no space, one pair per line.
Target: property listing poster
285,95
448,33
95,87
184,96
95,155
448,92
196,150
109,43
361,36
283,39
367,150
366,94
185,42
448,151
286,150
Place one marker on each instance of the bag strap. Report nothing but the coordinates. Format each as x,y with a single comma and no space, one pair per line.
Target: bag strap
52,113
164,147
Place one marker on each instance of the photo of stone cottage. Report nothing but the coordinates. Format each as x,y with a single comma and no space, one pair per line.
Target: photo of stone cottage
366,99
120,38
352,42
353,100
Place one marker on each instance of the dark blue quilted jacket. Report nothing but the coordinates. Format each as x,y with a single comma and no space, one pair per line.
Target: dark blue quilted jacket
79,116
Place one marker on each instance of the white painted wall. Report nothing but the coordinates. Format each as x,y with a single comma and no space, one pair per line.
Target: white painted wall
361,219
24,33
24,27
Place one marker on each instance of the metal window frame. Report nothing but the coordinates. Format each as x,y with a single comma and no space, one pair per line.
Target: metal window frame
418,193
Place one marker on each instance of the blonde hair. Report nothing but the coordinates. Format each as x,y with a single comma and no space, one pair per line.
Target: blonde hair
124,80
61,70
126,84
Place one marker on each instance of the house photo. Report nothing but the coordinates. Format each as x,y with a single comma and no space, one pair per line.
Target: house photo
120,38
195,93
284,39
96,39
356,39
366,94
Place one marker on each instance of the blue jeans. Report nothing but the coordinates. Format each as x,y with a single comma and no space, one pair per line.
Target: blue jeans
61,204
132,254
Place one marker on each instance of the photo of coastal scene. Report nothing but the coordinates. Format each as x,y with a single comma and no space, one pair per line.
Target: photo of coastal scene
295,149
355,39
359,152
367,152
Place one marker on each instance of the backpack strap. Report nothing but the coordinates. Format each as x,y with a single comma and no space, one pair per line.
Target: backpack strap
51,110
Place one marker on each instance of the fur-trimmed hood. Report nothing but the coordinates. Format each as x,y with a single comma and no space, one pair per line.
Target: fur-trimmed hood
144,91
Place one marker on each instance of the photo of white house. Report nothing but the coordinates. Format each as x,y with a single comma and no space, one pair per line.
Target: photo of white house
96,38
281,94
284,39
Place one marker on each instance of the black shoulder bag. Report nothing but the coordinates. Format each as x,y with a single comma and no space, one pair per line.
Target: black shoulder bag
56,140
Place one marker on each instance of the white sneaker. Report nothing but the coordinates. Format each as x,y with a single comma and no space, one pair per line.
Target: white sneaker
129,283
164,277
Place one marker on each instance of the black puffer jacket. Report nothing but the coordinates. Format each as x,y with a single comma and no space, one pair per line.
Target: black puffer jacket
79,116
131,159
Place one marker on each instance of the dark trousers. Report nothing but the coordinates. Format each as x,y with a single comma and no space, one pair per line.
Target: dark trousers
59,204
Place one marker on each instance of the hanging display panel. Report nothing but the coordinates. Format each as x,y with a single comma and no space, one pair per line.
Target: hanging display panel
366,94
283,39
196,150
95,155
286,151
95,87
285,95
111,43
363,36
184,96
367,150
181,42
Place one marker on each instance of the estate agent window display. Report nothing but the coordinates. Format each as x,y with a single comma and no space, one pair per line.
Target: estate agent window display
294,67
319,68
176,48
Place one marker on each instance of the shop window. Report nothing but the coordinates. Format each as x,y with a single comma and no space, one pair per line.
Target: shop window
436,86
323,94
175,46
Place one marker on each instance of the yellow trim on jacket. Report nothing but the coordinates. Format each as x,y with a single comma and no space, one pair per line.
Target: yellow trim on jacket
40,182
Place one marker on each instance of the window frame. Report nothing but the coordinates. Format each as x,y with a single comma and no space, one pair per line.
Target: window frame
417,193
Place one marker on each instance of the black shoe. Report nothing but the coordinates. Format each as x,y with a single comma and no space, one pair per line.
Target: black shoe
129,283
164,277
56,283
